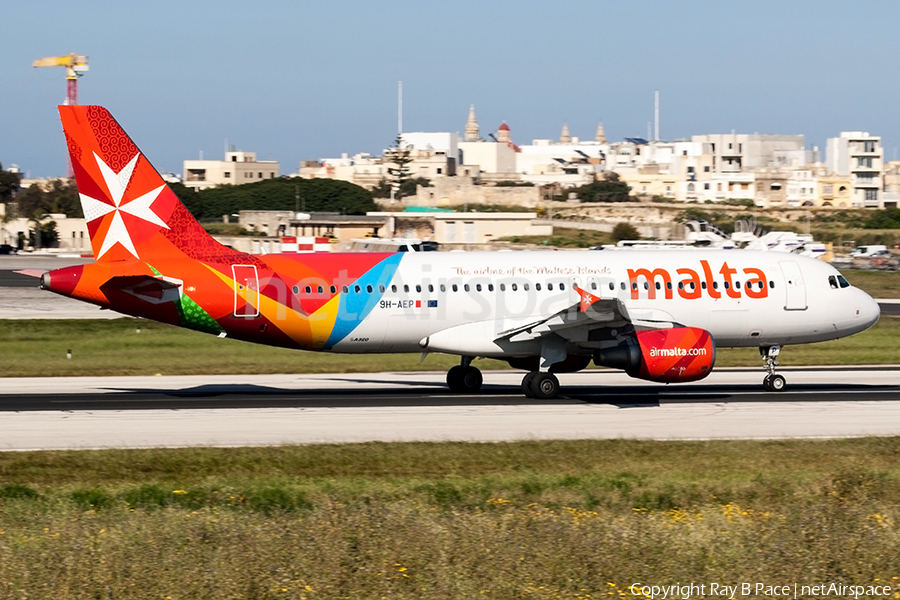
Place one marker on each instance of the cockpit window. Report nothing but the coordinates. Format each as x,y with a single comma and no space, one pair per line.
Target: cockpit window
844,283
832,281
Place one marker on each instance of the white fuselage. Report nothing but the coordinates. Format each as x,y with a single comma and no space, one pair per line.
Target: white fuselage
742,298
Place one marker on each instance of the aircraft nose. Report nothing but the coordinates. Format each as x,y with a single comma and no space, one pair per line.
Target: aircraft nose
867,309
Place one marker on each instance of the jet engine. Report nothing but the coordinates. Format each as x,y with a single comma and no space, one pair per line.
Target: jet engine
675,355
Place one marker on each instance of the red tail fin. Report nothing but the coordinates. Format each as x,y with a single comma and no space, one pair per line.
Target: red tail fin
131,213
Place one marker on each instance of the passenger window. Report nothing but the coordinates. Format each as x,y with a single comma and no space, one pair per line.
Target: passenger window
418,288
430,288
514,287
593,285
537,287
658,286
381,288
369,289
443,288
668,285
454,287
832,281
502,287
737,285
525,286
772,284
490,287
356,289
703,285
646,285
333,289
307,289
562,286
466,287
612,286
715,285
726,285
680,285
406,288
295,289
345,289
477,287
693,286
634,285
622,285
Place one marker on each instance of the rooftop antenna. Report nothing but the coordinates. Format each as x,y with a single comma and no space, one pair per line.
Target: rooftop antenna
400,107
656,115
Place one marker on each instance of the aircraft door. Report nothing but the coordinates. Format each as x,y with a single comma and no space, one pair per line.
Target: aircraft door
795,290
246,291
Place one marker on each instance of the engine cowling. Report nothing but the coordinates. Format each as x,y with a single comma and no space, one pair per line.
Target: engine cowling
679,354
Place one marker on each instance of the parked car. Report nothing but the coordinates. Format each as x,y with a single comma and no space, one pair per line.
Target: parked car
868,251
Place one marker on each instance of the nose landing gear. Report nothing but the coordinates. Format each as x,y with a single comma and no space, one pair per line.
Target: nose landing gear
772,382
464,378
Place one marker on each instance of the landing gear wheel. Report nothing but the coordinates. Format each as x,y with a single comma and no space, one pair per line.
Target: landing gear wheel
464,380
544,386
774,383
526,384
454,378
470,380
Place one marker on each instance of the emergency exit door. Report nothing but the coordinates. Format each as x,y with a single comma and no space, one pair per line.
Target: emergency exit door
246,291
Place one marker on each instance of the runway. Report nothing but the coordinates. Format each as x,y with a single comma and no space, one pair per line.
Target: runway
129,412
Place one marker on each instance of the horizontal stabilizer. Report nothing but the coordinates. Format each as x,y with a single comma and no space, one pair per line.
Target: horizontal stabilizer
31,272
155,290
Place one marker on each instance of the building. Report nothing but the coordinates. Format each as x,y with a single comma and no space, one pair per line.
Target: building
237,168
861,157
737,152
457,228
891,182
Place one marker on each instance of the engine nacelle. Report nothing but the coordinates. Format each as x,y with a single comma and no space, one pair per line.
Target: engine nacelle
680,354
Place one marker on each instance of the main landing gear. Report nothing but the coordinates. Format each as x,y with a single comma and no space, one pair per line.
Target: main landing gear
773,382
540,385
464,378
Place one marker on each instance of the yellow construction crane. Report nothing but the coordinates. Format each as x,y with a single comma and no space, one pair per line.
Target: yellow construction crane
76,65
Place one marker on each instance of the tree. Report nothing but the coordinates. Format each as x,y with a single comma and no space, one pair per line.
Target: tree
398,156
608,189
59,196
276,194
625,231
9,184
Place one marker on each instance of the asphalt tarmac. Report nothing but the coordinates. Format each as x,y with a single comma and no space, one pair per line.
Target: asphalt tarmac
301,409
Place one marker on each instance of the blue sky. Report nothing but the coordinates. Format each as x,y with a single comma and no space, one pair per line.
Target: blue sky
304,80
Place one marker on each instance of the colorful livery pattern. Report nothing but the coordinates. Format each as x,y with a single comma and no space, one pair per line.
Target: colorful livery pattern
147,245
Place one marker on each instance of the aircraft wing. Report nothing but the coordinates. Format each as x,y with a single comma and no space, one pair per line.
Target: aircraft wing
575,322
589,320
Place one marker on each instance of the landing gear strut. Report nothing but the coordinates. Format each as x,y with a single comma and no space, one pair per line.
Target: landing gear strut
772,382
464,378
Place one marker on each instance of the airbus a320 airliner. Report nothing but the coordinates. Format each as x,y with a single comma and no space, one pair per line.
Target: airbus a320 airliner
659,316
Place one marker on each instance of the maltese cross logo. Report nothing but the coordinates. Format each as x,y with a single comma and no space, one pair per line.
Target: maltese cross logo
116,184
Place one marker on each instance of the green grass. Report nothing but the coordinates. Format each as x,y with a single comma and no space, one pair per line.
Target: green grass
878,284
113,347
554,519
